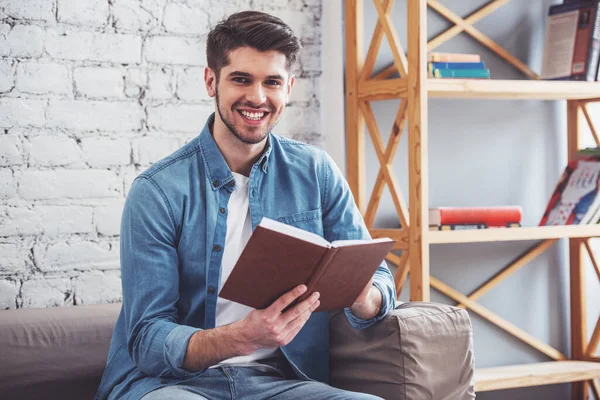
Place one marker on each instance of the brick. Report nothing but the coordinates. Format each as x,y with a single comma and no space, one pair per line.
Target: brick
128,175
11,152
95,115
41,78
52,150
304,90
97,287
161,84
296,120
305,25
47,292
33,10
8,186
9,291
83,12
21,112
310,58
182,19
175,50
148,149
25,41
106,152
58,220
108,218
99,82
7,75
136,15
70,184
190,85
136,81
83,255
89,46
13,258
19,221
179,118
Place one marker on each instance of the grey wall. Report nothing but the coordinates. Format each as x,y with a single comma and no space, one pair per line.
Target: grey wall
493,152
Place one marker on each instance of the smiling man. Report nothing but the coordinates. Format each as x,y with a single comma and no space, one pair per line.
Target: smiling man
186,221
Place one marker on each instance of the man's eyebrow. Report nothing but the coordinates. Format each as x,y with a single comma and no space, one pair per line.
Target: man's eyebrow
248,75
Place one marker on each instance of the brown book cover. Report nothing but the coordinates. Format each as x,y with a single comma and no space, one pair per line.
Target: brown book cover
279,257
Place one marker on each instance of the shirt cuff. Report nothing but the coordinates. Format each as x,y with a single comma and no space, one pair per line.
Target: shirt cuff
387,304
176,345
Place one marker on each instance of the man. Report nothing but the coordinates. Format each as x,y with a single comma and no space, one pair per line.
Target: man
188,217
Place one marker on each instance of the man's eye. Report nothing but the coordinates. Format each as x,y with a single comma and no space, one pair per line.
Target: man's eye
240,80
273,82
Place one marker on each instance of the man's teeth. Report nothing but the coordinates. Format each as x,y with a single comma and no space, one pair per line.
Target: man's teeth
253,116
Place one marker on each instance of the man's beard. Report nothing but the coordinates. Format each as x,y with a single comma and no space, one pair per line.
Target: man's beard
229,124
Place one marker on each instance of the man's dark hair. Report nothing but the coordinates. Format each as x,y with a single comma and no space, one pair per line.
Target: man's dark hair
255,29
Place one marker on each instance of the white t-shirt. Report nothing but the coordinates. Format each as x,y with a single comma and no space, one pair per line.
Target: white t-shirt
239,229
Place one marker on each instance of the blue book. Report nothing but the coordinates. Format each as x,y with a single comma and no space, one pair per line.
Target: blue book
456,65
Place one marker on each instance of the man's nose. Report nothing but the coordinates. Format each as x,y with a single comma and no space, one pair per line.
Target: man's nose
256,94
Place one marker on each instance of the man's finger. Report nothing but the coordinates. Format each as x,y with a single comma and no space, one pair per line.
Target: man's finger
286,299
299,309
296,325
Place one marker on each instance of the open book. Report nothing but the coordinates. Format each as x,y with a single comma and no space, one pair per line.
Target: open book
279,257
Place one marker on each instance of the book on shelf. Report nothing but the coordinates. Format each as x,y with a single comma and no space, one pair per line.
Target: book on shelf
572,41
466,227
483,73
279,257
575,198
455,65
492,216
453,57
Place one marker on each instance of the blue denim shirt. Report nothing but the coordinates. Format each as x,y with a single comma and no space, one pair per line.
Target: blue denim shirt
172,233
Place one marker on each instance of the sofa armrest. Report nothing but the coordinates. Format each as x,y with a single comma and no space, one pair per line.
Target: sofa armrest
419,351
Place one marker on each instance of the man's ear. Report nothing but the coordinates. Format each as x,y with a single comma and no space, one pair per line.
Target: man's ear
289,87
210,80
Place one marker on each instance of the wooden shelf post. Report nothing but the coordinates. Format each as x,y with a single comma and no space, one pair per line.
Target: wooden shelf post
418,251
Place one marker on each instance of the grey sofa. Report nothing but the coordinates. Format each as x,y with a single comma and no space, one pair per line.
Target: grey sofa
421,351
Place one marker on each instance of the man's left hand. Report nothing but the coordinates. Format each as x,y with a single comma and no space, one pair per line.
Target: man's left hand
368,303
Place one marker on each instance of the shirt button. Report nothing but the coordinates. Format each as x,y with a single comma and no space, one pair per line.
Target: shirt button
211,289
163,381
232,184
216,183
222,210
217,248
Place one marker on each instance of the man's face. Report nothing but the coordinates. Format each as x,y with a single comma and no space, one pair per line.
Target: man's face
251,92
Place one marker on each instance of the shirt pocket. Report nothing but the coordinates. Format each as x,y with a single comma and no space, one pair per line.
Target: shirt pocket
308,220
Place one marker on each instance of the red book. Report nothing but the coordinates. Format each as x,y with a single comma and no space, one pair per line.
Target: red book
491,216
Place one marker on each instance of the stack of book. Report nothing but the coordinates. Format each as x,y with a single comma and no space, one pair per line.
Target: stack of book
456,65
575,200
463,218
572,43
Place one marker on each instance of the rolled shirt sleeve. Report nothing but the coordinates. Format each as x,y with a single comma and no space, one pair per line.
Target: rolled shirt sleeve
150,279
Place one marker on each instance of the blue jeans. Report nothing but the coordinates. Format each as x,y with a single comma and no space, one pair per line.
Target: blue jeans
232,383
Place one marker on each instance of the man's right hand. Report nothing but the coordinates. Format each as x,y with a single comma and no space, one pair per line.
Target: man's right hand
271,327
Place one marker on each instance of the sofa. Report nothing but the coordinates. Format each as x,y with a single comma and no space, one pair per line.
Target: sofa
421,351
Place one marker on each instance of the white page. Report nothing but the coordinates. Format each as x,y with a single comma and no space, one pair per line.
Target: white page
350,242
559,45
293,231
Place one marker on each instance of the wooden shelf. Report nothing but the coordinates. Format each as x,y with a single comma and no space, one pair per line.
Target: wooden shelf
545,373
514,234
483,89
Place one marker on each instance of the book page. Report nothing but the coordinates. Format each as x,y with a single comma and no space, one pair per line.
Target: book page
559,45
343,243
293,231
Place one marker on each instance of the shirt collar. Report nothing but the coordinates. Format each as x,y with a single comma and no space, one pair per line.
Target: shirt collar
214,162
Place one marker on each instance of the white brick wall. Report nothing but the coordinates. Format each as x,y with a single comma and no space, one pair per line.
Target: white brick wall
92,92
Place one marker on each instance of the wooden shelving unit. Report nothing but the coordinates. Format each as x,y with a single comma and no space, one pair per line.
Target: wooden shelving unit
414,88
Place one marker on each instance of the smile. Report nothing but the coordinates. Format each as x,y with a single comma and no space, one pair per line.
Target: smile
253,116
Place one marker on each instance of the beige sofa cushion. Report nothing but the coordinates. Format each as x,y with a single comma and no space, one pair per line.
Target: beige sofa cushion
54,352
422,351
